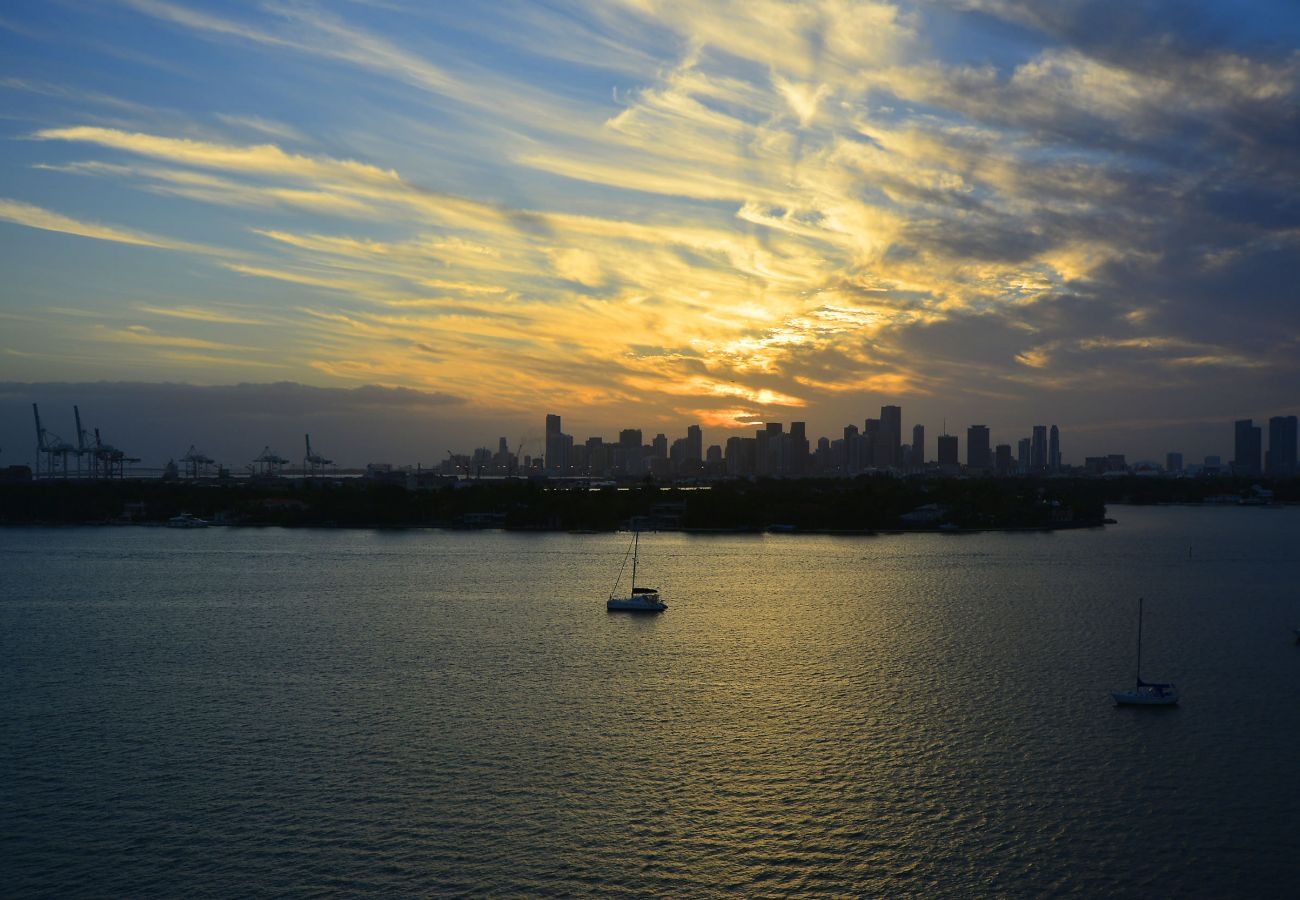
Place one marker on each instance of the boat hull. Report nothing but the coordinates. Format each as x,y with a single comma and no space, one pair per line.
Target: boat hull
1145,698
637,603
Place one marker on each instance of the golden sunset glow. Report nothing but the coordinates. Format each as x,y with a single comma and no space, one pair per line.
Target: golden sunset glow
655,211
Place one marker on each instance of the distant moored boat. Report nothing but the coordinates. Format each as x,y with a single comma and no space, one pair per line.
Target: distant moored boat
641,599
1145,693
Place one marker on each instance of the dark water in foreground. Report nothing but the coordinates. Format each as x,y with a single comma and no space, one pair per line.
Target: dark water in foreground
254,712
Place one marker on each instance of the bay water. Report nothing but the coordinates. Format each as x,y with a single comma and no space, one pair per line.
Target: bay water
266,712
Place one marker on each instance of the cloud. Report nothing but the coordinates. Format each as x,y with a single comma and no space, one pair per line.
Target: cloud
32,216
770,206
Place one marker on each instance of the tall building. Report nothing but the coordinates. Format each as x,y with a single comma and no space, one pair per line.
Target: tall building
1054,450
629,438
874,450
977,448
1173,461
918,446
1023,454
948,450
558,446
796,457
853,444
1281,460
1247,447
1002,459
1038,449
891,435
695,440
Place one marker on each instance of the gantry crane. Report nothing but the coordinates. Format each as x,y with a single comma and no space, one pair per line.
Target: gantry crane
196,463
51,445
269,462
313,463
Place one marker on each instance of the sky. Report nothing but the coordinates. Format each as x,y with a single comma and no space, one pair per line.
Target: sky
413,226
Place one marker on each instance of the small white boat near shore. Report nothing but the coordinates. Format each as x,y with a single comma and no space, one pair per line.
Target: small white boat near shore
185,520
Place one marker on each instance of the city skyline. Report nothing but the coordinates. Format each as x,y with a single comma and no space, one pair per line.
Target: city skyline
878,444
1002,213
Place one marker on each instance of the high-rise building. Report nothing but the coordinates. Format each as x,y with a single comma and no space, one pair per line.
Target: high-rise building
1281,460
659,447
1023,454
1247,447
740,456
874,451
1038,449
1173,461
891,435
629,438
948,450
1054,450
1002,459
853,454
558,446
695,443
796,456
918,446
978,456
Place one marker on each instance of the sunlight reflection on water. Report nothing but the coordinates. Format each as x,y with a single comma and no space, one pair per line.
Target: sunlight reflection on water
263,712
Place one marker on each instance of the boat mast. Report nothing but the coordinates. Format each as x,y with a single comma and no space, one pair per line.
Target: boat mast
636,539
1139,666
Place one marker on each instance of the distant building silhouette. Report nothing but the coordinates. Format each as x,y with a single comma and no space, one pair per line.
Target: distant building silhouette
1054,450
918,446
891,435
694,442
1038,449
1281,459
1002,459
1173,461
559,447
978,456
1247,448
948,451
1023,454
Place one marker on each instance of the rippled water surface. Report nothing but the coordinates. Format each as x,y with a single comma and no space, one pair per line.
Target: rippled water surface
265,712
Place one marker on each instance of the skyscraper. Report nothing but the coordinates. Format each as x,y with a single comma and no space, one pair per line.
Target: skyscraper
978,455
1247,447
695,443
796,457
1002,459
556,446
918,446
1173,461
1054,450
1038,449
1281,459
891,434
852,450
948,450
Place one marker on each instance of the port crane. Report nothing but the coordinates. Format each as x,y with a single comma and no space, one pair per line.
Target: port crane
110,461
51,446
314,464
269,462
196,463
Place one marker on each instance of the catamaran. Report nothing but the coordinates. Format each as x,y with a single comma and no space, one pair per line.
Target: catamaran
641,599
1145,693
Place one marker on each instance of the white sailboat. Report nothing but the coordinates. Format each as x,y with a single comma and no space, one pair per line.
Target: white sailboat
1145,693
641,599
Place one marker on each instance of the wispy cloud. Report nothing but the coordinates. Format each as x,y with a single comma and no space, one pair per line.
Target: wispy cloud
726,209
47,220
